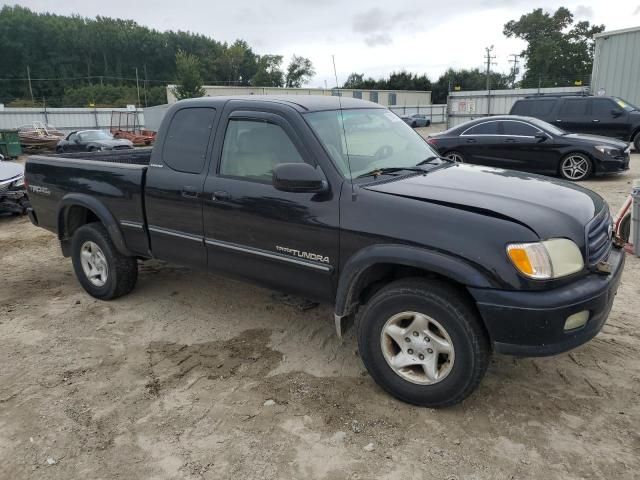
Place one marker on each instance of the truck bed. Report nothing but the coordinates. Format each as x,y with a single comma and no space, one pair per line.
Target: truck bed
137,156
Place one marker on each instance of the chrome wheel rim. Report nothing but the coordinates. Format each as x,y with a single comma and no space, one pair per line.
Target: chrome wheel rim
417,348
94,263
575,167
455,157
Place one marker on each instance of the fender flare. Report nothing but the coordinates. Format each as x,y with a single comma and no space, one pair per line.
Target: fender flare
100,211
448,266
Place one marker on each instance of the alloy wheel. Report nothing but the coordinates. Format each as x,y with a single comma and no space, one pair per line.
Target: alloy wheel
455,157
94,263
417,348
575,167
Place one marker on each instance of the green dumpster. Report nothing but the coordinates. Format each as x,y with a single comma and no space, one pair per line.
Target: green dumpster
10,144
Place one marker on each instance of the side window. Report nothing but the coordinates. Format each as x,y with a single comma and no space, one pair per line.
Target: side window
185,147
392,98
357,94
601,107
486,128
534,108
373,96
523,107
252,149
73,137
574,107
519,128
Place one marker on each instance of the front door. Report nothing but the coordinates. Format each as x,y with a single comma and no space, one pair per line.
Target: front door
609,119
288,241
173,192
521,150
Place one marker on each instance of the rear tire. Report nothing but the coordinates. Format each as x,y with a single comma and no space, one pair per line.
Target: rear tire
441,351
575,167
101,270
457,157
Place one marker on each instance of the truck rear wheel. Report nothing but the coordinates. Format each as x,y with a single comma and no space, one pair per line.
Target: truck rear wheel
423,343
101,270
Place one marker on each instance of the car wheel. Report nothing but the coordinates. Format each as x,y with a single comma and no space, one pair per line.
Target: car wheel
575,166
456,157
636,142
624,230
93,149
102,271
422,342
414,124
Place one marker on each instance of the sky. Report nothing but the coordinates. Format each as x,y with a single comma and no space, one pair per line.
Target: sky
374,37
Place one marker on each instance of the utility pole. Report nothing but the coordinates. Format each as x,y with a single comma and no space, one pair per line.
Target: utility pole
138,86
30,88
514,71
489,58
145,85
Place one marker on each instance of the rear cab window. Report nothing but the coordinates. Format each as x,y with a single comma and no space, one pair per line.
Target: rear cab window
185,147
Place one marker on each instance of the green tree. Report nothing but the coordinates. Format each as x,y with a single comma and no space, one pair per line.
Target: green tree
466,79
269,72
299,72
558,52
189,79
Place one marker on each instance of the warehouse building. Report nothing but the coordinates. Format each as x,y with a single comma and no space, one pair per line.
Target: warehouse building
388,98
616,64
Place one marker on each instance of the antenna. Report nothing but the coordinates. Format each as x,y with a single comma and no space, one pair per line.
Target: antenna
344,131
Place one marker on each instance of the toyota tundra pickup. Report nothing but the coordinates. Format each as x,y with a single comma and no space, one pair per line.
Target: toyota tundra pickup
338,200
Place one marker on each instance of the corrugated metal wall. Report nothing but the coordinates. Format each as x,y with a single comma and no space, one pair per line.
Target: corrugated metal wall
465,106
616,65
61,118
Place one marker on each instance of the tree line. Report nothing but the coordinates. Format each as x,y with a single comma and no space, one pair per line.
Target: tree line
77,61
559,52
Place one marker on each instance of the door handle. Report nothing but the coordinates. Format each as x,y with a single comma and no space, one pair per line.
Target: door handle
220,195
558,120
510,140
189,192
595,120
471,140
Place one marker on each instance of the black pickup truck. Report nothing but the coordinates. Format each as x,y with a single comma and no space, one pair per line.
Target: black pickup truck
338,200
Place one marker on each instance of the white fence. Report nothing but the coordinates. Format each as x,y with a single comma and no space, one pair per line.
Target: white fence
62,118
465,106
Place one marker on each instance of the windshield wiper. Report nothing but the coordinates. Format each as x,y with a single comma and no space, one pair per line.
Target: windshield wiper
382,171
429,161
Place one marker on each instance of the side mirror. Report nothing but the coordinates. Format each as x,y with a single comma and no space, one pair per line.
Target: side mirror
541,137
615,112
298,177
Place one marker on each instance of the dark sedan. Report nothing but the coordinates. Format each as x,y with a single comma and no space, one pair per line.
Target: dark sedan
532,145
416,120
91,141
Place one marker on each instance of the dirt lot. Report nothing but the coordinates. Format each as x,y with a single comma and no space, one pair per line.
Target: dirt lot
194,376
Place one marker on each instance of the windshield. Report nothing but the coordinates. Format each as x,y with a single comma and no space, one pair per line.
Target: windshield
624,104
375,138
552,129
95,135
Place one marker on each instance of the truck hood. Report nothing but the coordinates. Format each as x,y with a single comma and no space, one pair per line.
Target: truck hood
10,170
549,207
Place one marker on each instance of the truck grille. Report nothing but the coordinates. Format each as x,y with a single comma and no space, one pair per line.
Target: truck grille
598,236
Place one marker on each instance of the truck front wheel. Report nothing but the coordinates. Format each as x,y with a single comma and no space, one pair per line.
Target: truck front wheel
101,270
422,342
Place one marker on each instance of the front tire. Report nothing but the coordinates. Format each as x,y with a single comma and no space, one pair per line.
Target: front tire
575,167
422,341
101,270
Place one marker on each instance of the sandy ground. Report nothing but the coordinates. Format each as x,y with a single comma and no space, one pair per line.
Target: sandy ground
198,377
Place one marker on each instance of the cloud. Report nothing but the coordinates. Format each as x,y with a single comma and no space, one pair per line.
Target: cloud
583,12
377,39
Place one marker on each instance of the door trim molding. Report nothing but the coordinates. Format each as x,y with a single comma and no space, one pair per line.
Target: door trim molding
174,233
267,254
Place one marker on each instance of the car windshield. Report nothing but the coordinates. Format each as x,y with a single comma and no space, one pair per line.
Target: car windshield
370,139
624,104
94,135
552,129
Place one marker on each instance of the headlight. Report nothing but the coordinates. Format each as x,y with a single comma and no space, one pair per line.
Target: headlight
19,182
553,258
612,151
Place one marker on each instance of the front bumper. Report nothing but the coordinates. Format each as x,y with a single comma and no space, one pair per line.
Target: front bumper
608,164
531,324
14,201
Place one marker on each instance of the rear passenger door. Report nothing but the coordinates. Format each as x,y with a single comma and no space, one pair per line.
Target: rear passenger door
286,241
173,191
573,115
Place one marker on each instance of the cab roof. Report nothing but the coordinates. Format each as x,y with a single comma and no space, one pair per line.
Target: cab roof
302,103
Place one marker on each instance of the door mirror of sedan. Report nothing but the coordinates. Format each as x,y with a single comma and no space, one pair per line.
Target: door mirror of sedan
615,112
298,177
541,137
